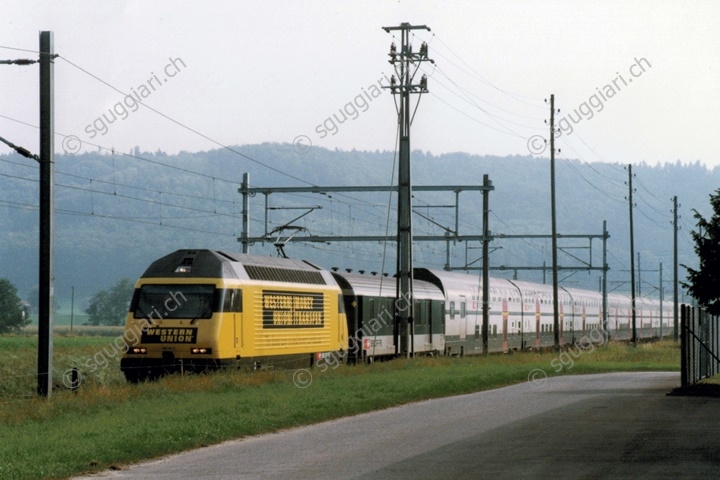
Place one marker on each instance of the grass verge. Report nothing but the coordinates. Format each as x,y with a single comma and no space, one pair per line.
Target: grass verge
111,424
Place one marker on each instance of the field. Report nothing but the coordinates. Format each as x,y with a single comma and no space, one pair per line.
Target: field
106,423
62,319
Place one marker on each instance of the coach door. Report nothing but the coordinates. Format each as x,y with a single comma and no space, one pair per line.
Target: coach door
463,318
537,323
505,324
232,311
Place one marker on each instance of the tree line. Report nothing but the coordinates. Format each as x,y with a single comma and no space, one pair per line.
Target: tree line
14,315
106,307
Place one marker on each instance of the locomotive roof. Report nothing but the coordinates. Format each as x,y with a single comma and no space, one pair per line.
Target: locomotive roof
217,264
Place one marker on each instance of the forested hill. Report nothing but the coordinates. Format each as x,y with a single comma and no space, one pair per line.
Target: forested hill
115,213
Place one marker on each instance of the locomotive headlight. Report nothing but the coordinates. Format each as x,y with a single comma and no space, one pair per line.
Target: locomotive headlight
200,351
138,350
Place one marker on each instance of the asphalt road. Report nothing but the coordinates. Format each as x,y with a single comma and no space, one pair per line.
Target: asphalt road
620,425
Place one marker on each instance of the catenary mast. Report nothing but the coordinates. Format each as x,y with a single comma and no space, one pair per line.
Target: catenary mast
406,64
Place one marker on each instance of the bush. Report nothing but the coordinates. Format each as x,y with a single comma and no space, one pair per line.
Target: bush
13,314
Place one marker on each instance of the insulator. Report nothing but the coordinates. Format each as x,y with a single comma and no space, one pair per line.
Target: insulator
24,152
424,50
393,81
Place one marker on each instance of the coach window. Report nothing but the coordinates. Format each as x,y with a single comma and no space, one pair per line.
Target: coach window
421,312
452,309
462,309
233,300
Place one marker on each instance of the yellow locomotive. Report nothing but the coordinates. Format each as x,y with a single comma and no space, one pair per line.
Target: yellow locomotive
195,310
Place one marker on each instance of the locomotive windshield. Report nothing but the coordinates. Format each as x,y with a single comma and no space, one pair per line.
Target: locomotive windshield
175,301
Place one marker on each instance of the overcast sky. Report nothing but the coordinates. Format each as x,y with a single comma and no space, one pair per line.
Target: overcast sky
643,76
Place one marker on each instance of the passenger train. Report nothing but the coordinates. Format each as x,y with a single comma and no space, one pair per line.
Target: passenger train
194,310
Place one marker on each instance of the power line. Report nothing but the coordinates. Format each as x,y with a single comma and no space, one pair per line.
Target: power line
473,73
471,102
475,119
277,170
207,137
355,201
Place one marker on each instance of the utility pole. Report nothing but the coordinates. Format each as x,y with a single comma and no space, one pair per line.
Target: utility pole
406,65
245,212
486,265
606,334
662,298
675,268
72,306
632,258
46,160
47,180
639,273
556,305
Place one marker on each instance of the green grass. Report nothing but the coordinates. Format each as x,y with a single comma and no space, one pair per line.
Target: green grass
63,319
79,331
18,363
714,380
109,422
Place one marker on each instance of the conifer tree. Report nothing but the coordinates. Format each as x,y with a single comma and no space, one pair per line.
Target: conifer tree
704,283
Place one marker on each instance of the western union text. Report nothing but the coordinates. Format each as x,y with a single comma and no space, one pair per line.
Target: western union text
287,302
299,318
169,335
292,309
